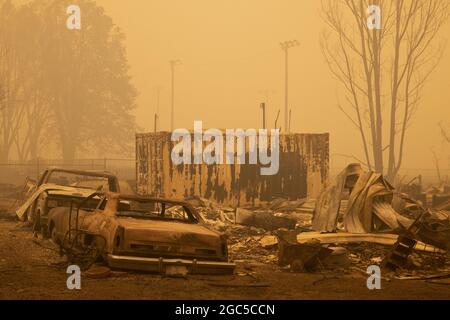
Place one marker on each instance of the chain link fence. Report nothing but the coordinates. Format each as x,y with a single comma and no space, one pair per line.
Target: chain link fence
15,172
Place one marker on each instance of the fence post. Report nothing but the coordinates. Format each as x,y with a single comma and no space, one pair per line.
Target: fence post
104,164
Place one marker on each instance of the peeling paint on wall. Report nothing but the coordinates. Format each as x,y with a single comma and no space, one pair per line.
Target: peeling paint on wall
303,172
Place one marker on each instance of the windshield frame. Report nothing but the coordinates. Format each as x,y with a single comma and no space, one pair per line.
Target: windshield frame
192,215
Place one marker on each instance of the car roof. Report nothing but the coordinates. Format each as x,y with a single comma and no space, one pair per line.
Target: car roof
93,173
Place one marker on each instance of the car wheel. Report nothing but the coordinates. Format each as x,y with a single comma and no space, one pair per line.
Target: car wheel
43,225
37,223
44,232
54,236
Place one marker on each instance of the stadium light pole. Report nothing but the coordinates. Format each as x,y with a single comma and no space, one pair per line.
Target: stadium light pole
285,46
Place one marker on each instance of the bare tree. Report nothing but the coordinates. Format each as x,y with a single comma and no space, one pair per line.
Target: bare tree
30,36
444,133
383,70
24,116
11,90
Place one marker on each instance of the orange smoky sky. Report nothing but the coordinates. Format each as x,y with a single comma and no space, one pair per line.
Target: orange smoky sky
232,61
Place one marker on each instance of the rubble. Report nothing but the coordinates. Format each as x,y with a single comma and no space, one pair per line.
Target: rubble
252,232
414,189
439,199
263,219
358,222
300,257
268,242
369,207
338,258
300,249
283,205
374,207
444,206
251,248
438,195
386,239
355,223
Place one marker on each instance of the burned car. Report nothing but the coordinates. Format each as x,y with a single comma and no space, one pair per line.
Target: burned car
61,187
139,233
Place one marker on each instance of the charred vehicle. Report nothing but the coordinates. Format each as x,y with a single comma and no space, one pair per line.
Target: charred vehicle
138,233
61,188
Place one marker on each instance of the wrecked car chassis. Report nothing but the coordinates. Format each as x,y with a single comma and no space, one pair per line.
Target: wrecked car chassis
117,232
53,189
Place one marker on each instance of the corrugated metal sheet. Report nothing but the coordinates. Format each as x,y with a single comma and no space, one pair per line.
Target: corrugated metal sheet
303,172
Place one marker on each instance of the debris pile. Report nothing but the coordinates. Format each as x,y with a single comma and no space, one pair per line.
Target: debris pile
360,221
374,207
252,232
438,195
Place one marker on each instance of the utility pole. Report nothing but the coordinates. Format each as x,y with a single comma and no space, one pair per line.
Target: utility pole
173,63
263,107
158,93
290,117
285,46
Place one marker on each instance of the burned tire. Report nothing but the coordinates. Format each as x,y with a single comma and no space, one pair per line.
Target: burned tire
298,266
45,232
37,223
53,235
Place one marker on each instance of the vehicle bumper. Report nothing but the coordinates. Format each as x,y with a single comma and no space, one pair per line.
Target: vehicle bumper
159,264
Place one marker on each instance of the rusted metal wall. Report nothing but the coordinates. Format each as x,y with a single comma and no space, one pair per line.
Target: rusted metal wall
303,172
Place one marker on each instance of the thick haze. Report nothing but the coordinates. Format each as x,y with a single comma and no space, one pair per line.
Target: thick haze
232,58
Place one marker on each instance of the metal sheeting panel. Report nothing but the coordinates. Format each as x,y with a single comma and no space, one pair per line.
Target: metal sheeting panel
303,172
